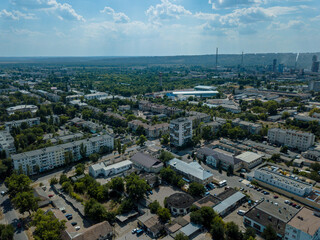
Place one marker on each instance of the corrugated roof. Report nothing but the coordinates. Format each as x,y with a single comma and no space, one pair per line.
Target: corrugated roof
228,202
190,229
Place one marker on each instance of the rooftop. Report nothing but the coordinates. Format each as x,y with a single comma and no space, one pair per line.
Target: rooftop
180,200
306,221
145,160
207,201
249,157
192,168
228,202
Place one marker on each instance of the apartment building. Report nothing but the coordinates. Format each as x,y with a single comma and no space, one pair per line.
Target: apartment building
157,108
253,128
29,121
303,226
7,142
225,159
22,108
152,131
97,95
198,117
180,131
291,138
73,97
286,183
48,158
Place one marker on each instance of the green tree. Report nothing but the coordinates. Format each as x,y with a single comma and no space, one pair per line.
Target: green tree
165,156
80,168
53,181
232,231
67,187
6,232
165,139
164,214
83,151
124,148
17,184
47,227
196,189
125,206
141,141
95,211
181,236
25,202
284,149
207,133
117,184
63,178
94,157
217,231
136,187
68,157
250,232
154,206
204,216
269,233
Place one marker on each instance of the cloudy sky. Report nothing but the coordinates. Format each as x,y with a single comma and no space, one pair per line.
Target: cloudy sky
157,27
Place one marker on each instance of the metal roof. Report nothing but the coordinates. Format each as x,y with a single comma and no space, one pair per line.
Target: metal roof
221,207
190,229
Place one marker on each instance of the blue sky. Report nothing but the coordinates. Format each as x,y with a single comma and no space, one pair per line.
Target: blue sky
157,27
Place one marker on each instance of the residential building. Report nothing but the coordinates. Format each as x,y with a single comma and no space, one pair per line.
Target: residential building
314,86
312,154
22,108
104,170
151,224
146,162
198,117
291,138
289,184
180,131
267,213
192,171
152,131
124,108
48,158
7,143
253,128
250,159
97,95
306,118
303,226
73,97
50,96
17,123
179,203
225,159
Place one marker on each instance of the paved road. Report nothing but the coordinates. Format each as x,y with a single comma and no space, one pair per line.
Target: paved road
11,216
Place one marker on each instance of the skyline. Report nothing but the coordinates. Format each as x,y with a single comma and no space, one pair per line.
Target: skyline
156,27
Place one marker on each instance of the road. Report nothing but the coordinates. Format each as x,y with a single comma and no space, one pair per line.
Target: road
10,215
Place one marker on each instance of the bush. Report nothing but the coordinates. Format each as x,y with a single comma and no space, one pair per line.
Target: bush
53,181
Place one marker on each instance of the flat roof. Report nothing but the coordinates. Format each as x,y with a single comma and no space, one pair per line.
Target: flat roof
228,202
190,229
249,157
305,221
194,92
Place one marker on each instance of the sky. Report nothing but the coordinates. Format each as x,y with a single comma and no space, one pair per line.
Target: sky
157,27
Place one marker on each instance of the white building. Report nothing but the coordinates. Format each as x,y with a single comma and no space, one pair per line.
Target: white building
289,184
303,226
291,138
29,121
7,142
73,97
101,169
97,95
193,171
250,159
22,108
48,158
204,88
180,131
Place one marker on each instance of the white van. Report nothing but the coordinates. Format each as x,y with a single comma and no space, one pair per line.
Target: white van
241,212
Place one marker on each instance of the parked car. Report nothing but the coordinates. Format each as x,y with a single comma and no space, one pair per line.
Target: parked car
3,193
241,189
294,205
240,179
286,201
275,196
134,230
139,232
50,195
74,223
241,212
77,228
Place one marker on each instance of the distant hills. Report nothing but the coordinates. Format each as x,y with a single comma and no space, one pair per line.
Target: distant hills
224,60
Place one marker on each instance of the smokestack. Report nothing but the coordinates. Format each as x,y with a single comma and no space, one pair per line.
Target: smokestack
160,79
217,52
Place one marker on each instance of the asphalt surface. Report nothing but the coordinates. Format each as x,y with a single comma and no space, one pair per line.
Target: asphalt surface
11,216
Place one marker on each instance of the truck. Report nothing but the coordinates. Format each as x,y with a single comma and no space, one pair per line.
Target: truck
222,183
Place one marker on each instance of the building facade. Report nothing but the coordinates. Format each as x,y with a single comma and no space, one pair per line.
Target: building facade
7,143
180,131
291,138
22,108
29,121
44,159
101,169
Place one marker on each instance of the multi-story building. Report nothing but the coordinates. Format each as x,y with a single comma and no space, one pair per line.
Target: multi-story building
291,138
225,159
303,226
180,131
48,158
152,131
156,108
314,86
97,95
7,143
73,97
22,108
249,159
193,171
29,121
198,117
253,128
286,183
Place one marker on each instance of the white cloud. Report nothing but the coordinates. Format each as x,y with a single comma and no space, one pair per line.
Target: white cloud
62,10
206,16
166,10
118,17
232,3
292,24
15,15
